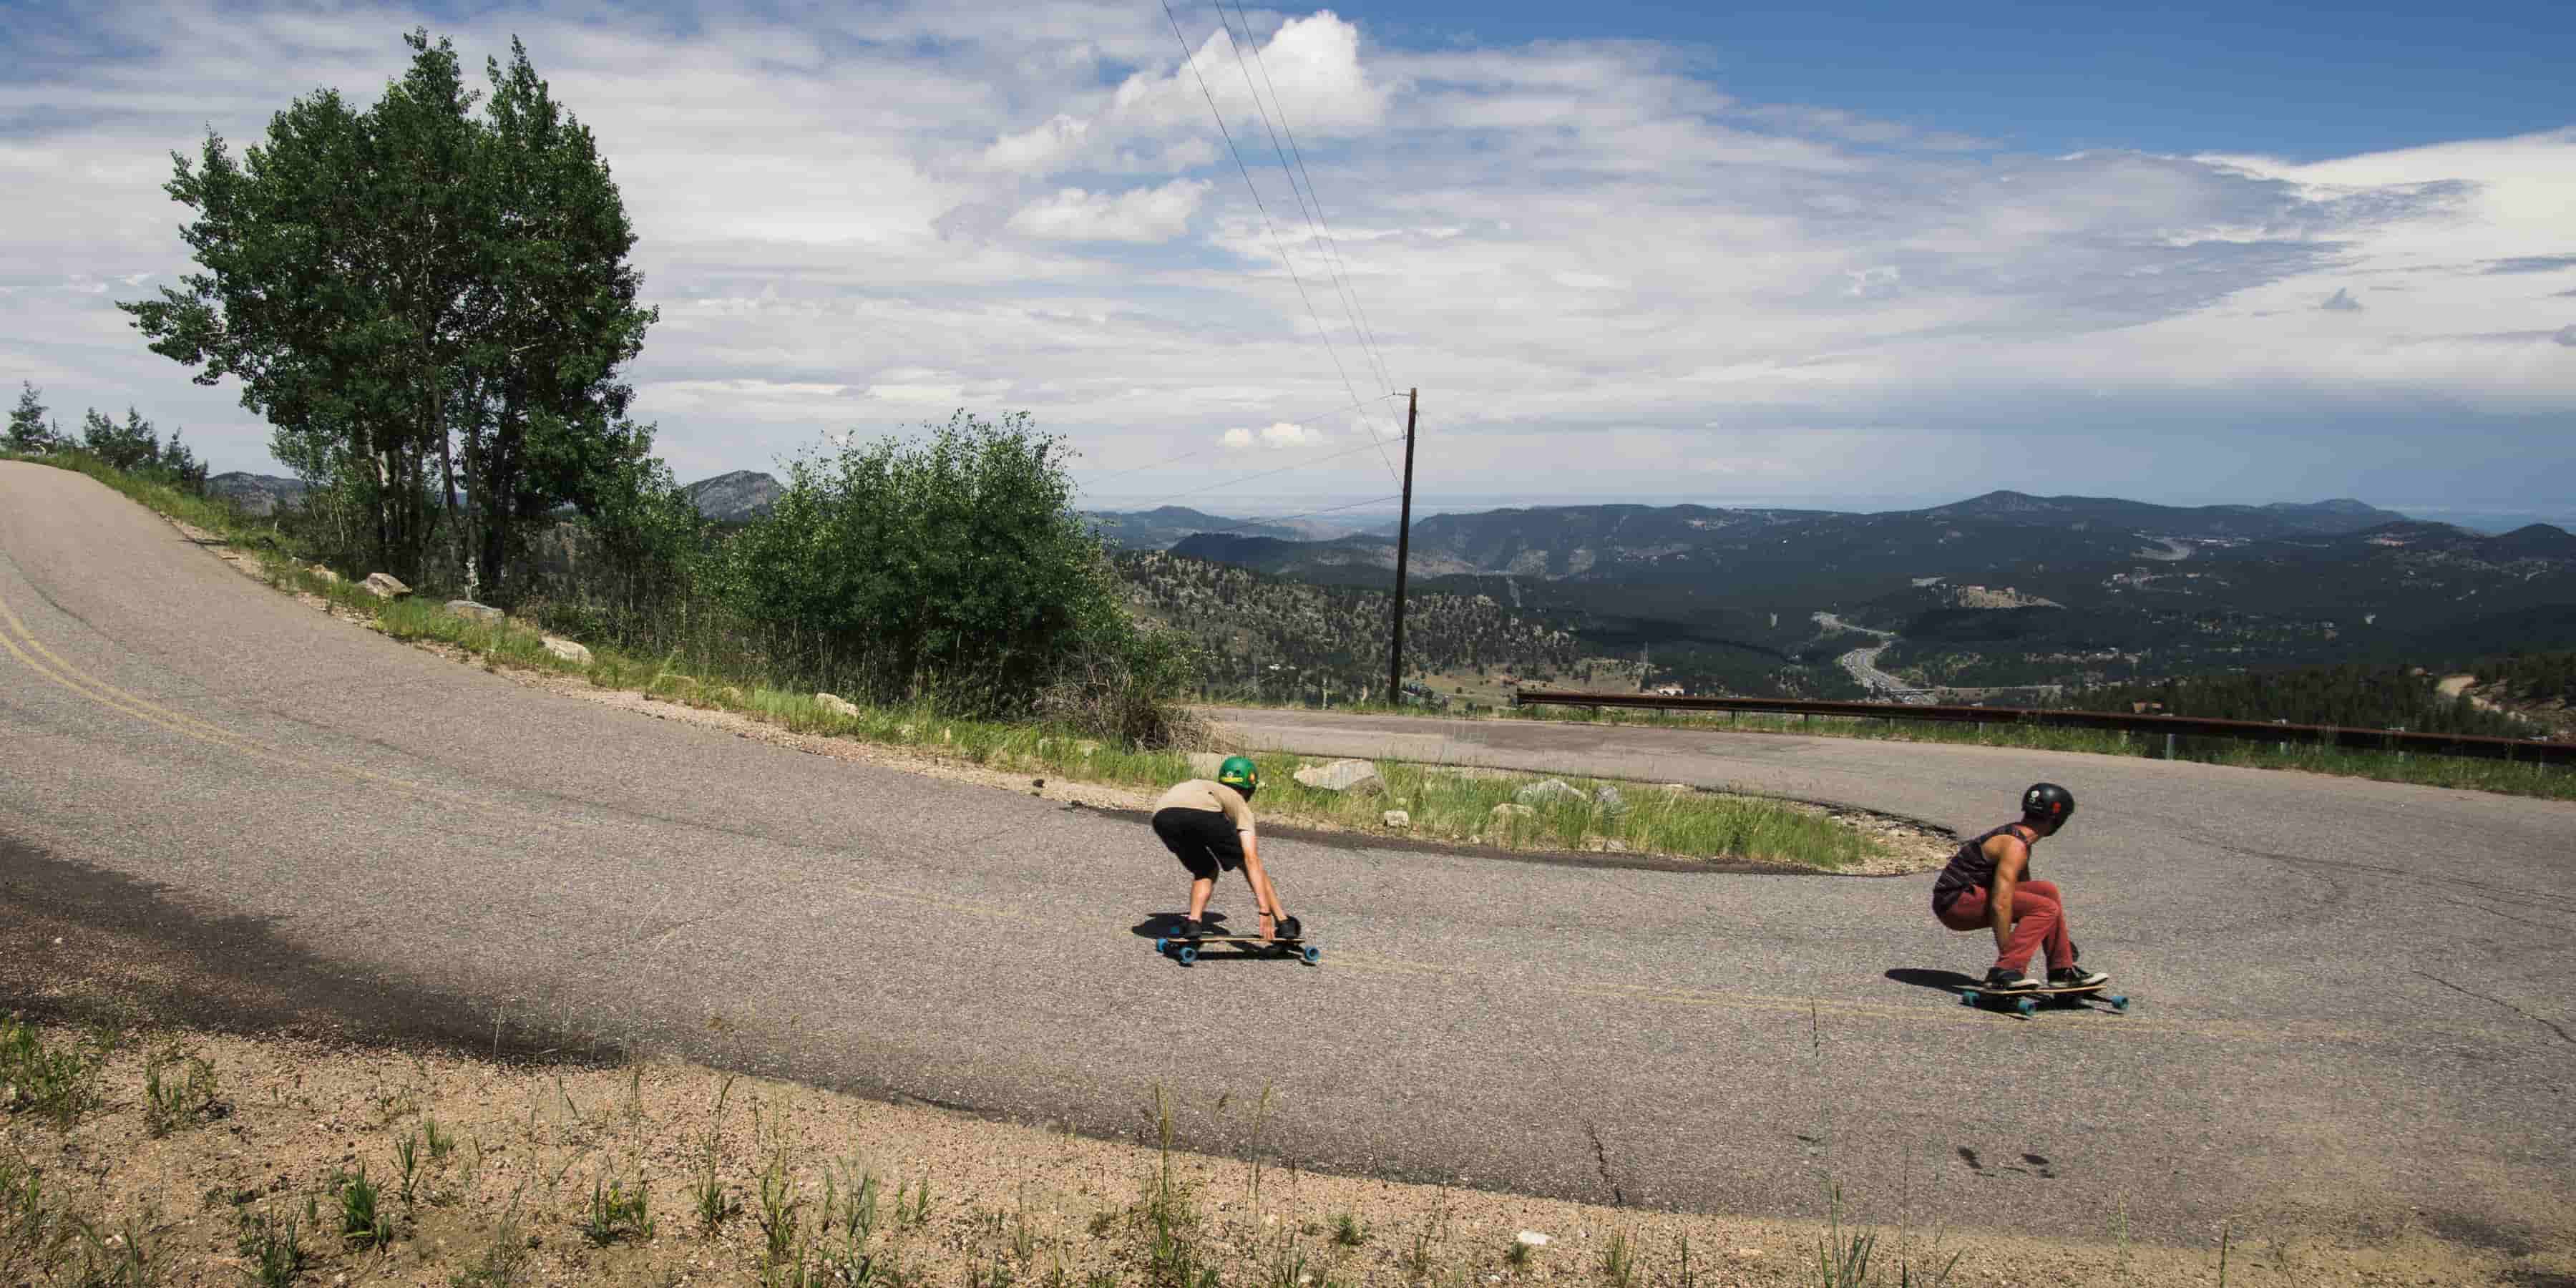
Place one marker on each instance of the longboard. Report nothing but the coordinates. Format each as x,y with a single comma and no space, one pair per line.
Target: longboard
2025,1001
1186,950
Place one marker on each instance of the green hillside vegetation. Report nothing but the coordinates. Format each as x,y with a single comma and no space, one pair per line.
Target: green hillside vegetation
1245,623
2358,695
2536,679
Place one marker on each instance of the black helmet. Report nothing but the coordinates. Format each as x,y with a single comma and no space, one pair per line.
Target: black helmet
2047,803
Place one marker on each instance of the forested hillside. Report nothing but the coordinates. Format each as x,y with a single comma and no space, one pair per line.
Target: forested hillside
1264,637
2531,679
2360,696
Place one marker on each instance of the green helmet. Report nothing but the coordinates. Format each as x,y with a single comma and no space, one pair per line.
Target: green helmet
1239,773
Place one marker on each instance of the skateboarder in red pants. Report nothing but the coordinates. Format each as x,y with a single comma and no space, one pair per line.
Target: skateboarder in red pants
1987,886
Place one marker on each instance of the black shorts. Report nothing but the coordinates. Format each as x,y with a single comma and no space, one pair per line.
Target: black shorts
1204,840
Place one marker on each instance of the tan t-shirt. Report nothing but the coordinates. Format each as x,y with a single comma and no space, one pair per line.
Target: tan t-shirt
1199,793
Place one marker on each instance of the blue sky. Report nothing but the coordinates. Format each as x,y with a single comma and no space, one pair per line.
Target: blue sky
2302,81
1843,255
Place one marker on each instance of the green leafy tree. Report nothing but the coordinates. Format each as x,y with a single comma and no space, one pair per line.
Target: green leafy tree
428,308
952,568
29,432
556,319
133,446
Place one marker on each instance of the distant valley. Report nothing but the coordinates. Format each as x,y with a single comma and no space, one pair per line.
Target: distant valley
2001,596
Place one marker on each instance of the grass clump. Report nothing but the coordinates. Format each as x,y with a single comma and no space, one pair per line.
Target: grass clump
179,1091
271,1246
618,1213
364,1222
56,1082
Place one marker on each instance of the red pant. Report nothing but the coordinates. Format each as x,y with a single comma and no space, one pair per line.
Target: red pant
2038,917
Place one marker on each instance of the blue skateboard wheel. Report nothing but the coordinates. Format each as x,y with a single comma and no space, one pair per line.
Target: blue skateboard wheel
1162,945
2119,1001
1968,997
1312,954
1188,955
2027,1006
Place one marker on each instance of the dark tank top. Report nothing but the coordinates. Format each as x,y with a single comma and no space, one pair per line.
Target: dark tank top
1970,869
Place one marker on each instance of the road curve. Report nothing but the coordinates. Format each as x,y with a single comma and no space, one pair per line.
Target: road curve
2332,1036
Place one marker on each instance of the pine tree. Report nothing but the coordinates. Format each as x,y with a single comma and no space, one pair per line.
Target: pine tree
29,433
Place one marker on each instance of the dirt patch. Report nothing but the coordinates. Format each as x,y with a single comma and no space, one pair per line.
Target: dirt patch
510,1166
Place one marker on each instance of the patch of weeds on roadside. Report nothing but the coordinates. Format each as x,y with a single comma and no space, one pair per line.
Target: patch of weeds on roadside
57,1082
122,1258
1618,1260
1348,1230
33,1230
618,1213
364,1222
504,1259
271,1246
179,1091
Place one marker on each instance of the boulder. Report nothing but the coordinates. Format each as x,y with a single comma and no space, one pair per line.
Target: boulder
1397,818
1507,821
478,612
1555,791
385,585
837,705
1358,776
1610,802
567,650
325,574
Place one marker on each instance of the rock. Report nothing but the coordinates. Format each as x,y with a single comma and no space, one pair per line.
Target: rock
1506,822
385,585
567,650
478,612
1397,818
1205,764
837,705
1612,804
1358,776
325,574
1530,1239
1554,791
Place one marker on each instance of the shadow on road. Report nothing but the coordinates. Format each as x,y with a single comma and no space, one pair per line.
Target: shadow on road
1948,981
1163,924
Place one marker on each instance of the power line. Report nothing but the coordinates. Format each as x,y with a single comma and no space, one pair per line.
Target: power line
1321,332
1311,210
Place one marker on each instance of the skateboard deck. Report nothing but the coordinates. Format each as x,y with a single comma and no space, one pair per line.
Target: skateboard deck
1186,950
2026,1002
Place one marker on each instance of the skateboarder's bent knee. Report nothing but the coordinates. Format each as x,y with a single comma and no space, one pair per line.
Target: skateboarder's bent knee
1988,885
1207,825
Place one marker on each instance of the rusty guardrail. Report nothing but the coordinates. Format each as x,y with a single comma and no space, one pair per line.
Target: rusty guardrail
2528,751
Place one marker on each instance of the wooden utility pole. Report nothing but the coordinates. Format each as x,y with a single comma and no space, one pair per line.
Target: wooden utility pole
1403,550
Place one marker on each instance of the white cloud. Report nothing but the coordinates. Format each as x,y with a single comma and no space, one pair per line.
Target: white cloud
1582,252
1137,215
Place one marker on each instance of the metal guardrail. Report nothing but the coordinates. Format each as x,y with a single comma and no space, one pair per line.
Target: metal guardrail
2528,751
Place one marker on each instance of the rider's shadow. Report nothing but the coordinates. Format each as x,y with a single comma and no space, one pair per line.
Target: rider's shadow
1948,981
1163,925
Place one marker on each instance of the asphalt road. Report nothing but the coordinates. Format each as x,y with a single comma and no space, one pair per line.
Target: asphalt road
2352,1014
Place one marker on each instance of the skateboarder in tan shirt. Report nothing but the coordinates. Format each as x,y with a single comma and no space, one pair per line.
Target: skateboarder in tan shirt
1208,826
